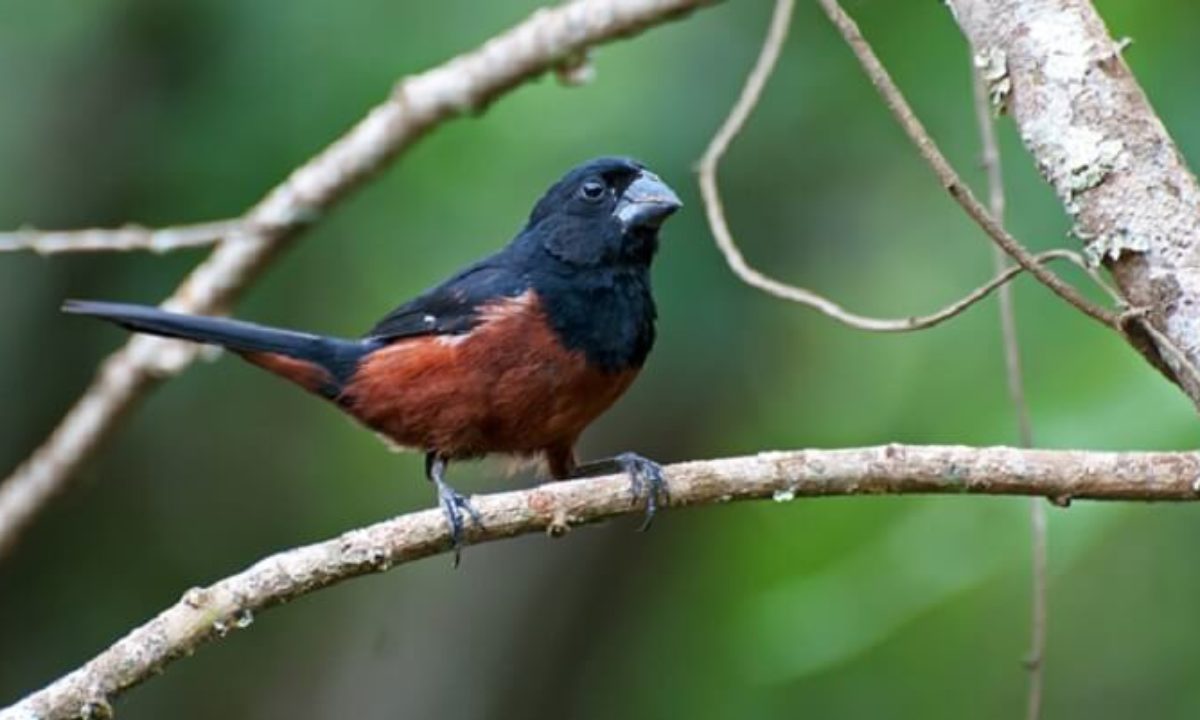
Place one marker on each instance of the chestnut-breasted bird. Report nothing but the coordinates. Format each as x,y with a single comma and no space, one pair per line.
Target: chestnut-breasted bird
515,354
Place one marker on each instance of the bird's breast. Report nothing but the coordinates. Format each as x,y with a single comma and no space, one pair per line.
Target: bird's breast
508,385
607,314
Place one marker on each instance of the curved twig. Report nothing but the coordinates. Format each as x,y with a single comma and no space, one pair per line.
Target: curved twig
206,614
1095,138
715,210
945,172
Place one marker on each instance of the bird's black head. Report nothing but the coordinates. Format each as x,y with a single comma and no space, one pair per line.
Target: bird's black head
604,212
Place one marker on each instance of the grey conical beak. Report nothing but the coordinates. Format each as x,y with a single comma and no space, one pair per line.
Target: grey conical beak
646,203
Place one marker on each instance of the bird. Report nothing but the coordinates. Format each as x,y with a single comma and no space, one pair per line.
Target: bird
515,354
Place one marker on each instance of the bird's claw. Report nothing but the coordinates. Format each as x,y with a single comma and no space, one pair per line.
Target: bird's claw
646,484
453,503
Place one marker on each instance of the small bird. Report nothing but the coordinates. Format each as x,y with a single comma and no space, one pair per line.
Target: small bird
516,354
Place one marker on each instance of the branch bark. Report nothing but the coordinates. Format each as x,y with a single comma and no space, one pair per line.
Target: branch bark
714,209
1097,141
947,176
122,239
205,614
464,85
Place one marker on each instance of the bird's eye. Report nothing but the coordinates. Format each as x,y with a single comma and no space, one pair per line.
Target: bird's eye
592,190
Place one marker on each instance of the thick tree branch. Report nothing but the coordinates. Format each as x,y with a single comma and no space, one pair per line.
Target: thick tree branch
418,103
205,614
128,237
1089,126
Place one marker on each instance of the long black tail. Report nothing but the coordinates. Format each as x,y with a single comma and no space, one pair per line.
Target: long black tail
321,364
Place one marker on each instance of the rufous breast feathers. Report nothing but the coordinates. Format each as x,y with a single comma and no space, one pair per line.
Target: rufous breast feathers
508,385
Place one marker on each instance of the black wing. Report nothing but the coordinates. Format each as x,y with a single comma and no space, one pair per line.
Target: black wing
452,307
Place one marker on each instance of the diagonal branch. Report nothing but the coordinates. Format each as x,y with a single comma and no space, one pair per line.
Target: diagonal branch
1096,139
126,238
464,85
946,174
756,81
206,614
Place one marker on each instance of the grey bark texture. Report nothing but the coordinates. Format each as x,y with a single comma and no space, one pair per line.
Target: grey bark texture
206,614
1053,66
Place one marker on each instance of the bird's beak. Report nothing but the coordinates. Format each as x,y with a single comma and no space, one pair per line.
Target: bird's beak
646,203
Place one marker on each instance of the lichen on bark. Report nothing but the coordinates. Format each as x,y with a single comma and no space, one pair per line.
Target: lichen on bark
1095,138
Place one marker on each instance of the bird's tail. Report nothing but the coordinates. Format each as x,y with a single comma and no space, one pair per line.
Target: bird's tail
320,364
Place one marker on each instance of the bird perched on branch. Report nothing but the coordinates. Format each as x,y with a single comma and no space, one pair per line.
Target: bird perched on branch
515,354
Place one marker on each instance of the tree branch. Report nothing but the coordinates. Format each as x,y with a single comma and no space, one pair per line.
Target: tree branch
946,174
205,614
1089,126
714,208
126,238
1016,393
417,104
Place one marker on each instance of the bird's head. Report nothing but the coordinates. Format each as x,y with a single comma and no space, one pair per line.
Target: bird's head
606,211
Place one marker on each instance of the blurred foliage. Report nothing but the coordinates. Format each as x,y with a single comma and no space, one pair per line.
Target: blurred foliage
165,112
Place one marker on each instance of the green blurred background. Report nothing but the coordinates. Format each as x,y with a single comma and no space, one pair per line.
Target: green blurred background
164,112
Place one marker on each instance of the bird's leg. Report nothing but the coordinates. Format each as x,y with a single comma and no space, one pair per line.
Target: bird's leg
645,479
450,501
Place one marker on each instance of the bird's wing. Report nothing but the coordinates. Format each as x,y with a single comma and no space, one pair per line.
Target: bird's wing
452,307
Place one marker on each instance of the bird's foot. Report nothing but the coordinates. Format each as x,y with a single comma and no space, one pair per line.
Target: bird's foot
453,503
646,484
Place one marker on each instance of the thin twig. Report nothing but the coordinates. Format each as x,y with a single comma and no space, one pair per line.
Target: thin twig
1094,136
417,104
714,208
1138,317
206,614
1016,392
707,168
1162,342
1165,343
1039,608
946,174
122,239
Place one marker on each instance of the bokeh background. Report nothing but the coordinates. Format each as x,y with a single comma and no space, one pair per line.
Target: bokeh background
165,112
